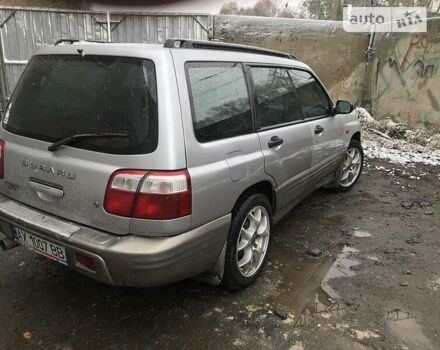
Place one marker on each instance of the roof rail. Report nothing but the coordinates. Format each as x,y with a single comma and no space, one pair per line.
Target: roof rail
72,41
199,44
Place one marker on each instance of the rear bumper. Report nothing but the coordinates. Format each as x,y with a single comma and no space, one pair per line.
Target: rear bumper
123,260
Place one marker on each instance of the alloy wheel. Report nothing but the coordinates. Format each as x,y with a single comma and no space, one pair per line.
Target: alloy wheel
253,241
351,167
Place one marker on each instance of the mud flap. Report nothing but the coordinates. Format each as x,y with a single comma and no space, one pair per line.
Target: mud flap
214,276
338,175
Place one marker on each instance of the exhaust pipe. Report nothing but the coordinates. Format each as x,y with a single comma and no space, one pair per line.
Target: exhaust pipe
6,243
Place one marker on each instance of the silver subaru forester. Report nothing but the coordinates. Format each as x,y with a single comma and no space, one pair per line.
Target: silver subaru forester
142,165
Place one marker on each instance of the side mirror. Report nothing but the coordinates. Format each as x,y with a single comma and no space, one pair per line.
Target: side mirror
343,107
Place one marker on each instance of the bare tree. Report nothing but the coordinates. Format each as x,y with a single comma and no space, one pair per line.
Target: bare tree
229,8
264,8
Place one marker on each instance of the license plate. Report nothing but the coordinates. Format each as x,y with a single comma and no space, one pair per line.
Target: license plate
40,246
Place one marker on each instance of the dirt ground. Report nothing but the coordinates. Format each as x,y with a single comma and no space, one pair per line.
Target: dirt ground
375,284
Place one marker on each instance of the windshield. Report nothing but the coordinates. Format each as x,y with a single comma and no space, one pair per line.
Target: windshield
62,95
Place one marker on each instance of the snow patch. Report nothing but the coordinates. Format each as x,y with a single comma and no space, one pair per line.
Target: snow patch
400,152
396,143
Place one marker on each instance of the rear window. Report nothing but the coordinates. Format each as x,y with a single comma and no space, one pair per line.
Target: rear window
62,95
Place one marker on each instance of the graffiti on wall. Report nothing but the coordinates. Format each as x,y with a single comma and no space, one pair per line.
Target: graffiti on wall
407,85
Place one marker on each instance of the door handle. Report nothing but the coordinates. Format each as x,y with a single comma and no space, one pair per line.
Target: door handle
318,129
275,141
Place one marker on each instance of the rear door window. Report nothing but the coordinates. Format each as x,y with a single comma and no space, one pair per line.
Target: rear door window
314,100
62,95
219,100
276,99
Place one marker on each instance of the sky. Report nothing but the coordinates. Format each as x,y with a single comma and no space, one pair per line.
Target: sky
198,6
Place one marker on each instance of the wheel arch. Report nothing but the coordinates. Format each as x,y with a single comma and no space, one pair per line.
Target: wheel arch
264,187
356,136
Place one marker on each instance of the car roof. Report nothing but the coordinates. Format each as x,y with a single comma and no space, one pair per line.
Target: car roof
158,50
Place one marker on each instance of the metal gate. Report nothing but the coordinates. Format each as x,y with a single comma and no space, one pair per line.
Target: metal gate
25,30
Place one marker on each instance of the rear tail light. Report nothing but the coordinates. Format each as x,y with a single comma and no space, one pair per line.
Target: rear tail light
121,192
154,195
2,159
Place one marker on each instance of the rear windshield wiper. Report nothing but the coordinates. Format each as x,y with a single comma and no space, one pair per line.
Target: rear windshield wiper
79,137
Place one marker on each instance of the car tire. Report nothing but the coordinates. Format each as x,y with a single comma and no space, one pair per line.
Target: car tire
351,167
248,239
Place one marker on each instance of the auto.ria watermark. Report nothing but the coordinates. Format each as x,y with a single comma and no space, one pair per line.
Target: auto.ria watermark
385,19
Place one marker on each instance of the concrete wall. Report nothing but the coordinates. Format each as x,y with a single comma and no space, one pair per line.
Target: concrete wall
336,56
405,77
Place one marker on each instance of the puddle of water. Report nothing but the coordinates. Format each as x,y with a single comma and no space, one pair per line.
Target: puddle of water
342,267
323,304
304,291
361,234
404,325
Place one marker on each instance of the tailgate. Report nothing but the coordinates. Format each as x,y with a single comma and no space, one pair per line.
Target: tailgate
60,183
59,96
